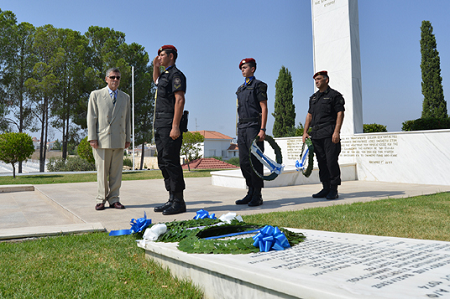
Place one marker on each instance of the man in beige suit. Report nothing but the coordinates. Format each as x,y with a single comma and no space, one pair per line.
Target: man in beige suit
109,132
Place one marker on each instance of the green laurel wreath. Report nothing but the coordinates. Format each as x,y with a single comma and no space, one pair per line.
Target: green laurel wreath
278,157
307,172
191,233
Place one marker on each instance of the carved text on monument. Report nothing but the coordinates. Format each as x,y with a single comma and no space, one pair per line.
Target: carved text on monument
381,148
377,264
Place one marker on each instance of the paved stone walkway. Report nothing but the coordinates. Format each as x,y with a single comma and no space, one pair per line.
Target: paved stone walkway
59,208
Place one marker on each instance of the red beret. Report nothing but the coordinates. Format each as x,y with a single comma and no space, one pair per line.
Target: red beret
320,73
246,60
167,47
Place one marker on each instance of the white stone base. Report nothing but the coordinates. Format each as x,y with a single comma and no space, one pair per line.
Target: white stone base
326,265
289,177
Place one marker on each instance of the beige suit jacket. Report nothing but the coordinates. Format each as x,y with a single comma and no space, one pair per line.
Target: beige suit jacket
109,124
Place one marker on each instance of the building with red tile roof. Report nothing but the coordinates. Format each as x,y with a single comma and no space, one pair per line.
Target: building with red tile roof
217,145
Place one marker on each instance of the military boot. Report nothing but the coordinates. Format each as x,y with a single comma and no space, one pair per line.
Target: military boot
256,198
324,192
247,197
333,194
178,205
166,205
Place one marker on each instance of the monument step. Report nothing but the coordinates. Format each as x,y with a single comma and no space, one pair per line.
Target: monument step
289,177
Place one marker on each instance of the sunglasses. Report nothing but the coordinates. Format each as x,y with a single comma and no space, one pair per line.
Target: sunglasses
114,77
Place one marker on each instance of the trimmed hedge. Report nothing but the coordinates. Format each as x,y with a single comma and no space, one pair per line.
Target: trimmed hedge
426,124
70,164
373,128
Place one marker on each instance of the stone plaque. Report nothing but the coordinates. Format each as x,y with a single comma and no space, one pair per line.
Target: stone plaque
326,265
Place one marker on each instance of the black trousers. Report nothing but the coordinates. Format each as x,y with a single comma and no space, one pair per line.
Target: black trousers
169,159
245,139
327,154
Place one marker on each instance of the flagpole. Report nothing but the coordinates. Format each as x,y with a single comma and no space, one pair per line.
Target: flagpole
132,108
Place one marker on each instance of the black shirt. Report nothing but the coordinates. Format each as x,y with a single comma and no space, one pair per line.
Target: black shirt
169,82
249,98
324,106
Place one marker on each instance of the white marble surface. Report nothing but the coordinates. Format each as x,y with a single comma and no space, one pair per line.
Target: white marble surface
336,49
289,177
326,265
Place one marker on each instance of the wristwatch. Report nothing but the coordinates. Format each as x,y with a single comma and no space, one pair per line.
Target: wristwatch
263,129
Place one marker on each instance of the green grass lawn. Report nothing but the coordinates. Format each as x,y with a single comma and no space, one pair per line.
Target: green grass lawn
98,266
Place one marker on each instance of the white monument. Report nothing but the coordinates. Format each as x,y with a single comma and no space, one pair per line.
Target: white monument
336,50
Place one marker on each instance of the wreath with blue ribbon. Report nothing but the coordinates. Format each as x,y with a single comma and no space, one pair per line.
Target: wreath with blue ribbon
275,167
208,235
306,162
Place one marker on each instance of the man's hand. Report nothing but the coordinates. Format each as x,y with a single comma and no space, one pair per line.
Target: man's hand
127,144
262,135
305,135
156,62
336,137
175,133
93,143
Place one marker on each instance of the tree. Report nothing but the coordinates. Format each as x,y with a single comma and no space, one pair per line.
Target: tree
190,148
45,82
71,76
144,93
434,105
15,147
18,68
284,112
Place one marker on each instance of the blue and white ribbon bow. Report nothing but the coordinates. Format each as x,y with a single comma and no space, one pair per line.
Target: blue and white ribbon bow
270,238
202,214
137,225
266,161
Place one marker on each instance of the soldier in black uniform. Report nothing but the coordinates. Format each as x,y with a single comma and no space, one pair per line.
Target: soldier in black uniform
169,107
252,110
325,117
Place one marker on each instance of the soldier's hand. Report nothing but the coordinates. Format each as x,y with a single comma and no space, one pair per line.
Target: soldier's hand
305,135
175,133
336,137
127,144
156,62
262,135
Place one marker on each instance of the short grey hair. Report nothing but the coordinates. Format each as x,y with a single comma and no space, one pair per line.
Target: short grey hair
112,70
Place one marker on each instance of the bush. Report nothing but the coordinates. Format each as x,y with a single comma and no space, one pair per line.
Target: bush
373,128
127,162
234,161
84,150
217,158
70,164
426,124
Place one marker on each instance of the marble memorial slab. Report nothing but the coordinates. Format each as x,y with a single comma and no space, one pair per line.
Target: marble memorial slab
326,265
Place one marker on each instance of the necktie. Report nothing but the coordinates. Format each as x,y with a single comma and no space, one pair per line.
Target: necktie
114,98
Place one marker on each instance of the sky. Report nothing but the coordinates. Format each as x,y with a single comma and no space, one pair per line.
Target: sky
213,36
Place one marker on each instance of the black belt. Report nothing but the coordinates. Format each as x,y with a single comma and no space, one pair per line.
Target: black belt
248,120
315,128
164,115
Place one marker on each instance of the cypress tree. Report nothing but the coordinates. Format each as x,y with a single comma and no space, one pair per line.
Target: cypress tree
284,111
434,105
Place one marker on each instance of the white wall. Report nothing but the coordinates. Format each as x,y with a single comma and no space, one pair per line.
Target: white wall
218,146
419,157
336,50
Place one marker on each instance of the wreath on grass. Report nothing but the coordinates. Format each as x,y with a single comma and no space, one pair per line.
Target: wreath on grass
278,158
193,236
309,160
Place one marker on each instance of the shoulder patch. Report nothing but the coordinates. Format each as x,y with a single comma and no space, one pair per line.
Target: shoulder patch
177,82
